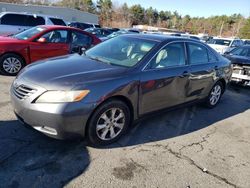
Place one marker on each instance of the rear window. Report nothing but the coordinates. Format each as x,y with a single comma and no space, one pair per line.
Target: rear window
57,21
14,19
22,20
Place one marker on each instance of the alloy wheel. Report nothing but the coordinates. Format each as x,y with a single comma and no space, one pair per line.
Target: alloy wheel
110,124
12,65
215,95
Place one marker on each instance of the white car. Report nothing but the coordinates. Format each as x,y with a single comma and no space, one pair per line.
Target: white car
13,22
222,45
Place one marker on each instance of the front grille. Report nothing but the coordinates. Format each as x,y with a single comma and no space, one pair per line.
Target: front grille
23,92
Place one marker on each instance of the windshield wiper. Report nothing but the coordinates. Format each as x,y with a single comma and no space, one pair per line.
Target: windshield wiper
100,59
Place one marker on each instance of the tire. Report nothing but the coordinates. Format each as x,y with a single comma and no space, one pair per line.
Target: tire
214,95
11,64
102,129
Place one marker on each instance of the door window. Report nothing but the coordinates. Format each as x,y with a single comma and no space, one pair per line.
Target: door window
197,54
56,36
57,21
35,20
170,56
79,39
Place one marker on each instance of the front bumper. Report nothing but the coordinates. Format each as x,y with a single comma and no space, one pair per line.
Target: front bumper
61,120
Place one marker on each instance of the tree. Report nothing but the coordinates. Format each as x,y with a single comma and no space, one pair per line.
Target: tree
87,5
245,30
105,11
137,14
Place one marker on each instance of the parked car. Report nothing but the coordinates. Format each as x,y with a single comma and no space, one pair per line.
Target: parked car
39,43
222,45
121,32
118,81
101,33
13,22
84,26
246,41
240,58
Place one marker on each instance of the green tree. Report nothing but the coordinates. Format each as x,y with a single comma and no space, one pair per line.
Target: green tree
245,30
137,14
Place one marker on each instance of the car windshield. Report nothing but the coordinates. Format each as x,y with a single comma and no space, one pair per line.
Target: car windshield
220,42
241,52
27,34
121,51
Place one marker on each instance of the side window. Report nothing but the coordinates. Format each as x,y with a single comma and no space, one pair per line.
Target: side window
197,54
57,21
35,20
80,39
171,55
212,57
14,19
56,36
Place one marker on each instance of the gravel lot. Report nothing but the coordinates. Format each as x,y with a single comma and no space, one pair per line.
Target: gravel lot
188,147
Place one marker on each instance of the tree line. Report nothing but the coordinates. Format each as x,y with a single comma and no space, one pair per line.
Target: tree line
121,15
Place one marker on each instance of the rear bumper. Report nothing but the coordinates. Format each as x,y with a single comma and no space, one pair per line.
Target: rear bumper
60,121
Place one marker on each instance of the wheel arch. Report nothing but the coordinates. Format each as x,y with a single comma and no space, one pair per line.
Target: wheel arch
122,98
16,53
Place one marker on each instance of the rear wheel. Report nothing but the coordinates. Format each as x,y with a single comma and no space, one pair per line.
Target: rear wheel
11,64
215,95
108,123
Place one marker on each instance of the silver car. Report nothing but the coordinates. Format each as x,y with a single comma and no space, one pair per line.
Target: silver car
12,22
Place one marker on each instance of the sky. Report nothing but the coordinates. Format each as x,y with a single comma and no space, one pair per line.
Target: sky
201,8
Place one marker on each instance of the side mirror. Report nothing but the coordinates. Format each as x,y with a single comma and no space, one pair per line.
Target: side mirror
42,40
83,50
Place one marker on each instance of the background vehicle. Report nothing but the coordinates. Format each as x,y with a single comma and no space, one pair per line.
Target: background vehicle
39,43
101,33
240,58
122,32
246,41
83,26
12,22
116,82
222,45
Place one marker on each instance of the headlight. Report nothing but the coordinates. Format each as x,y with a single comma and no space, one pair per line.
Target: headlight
62,96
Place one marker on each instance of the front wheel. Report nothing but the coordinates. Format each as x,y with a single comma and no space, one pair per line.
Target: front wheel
11,64
215,95
108,123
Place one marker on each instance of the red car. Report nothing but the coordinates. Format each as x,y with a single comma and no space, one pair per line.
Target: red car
41,42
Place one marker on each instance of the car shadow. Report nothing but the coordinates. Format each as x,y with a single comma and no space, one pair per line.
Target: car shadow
169,124
30,159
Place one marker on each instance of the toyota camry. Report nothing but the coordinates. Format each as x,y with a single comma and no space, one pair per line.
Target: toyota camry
99,94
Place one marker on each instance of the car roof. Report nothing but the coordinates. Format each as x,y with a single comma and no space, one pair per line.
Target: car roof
30,14
159,37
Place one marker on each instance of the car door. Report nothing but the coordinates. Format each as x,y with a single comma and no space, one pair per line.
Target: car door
51,44
164,80
80,40
203,66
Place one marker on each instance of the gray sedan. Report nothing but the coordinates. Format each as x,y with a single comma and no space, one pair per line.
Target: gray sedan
100,94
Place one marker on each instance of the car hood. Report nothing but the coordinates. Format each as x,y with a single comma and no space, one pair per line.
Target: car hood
67,72
240,60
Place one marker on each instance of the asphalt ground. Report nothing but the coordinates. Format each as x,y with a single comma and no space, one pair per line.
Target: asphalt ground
188,147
